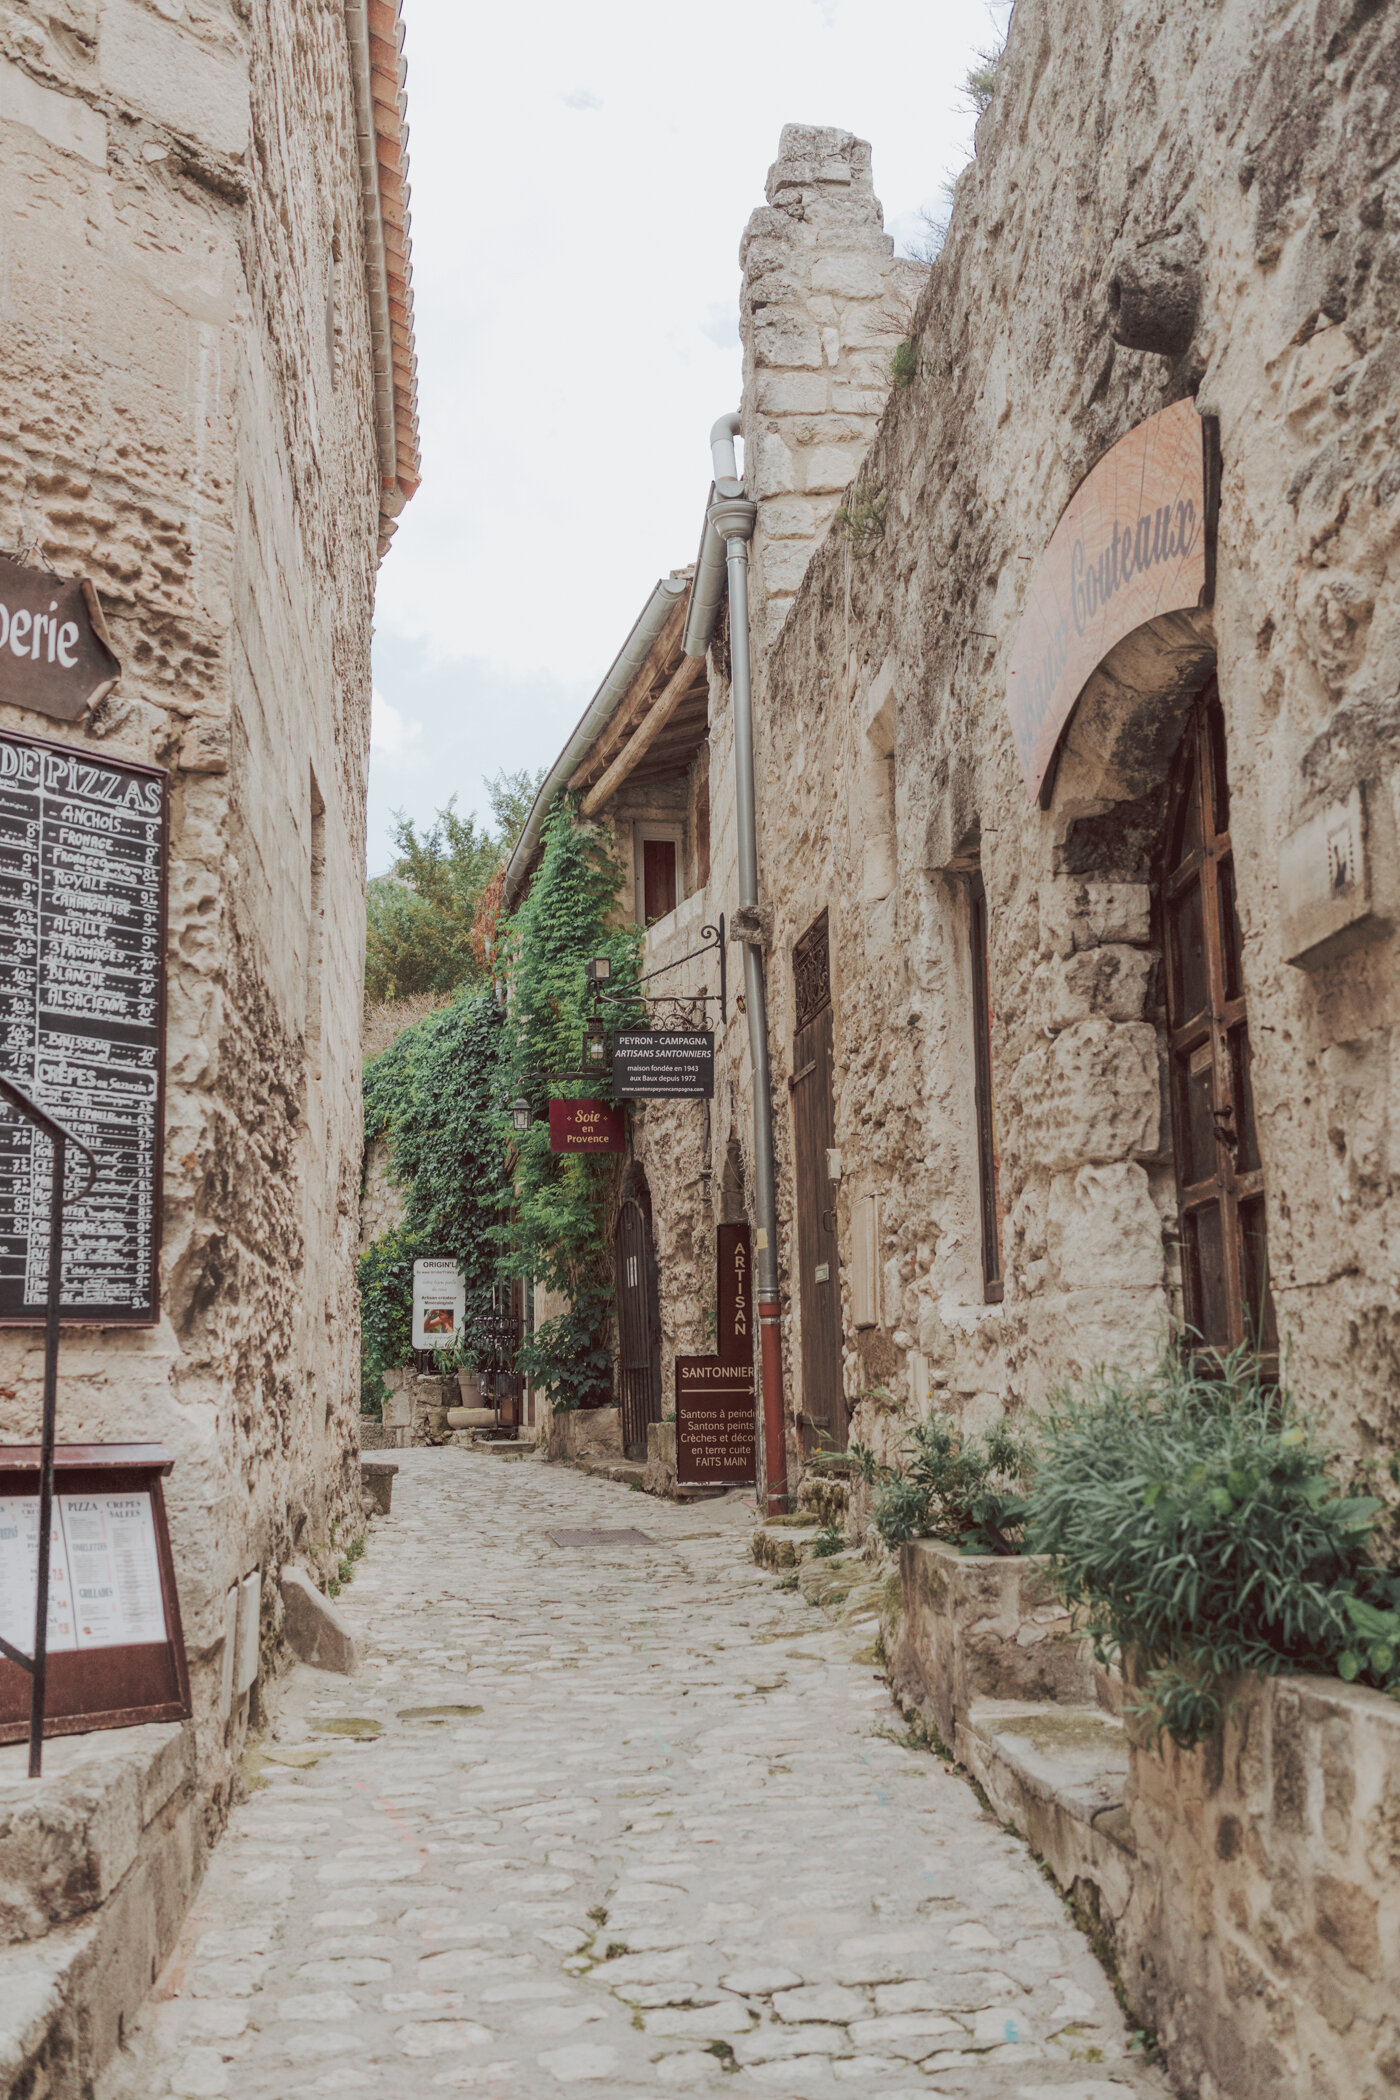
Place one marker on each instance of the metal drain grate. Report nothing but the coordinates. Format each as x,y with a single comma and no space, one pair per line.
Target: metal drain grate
630,1537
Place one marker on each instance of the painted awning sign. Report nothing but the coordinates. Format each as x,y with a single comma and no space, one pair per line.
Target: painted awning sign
1132,544
55,658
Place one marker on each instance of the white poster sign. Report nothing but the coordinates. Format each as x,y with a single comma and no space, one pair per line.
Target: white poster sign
439,1304
104,1574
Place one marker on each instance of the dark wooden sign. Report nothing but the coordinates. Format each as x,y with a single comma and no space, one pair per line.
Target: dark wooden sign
664,1064
716,1442
586,1126
734,1263
83,857
1133,543
54,654
116,1652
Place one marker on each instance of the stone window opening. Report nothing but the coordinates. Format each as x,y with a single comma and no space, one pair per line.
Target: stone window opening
316,929
988,1149
334,307
876,785
1226,1296
659,870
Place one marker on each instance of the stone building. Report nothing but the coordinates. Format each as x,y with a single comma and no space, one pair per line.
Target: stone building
207,373
1077,806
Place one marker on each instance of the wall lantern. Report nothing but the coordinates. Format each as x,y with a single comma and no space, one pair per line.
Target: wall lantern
596,1047
520,1114
599,971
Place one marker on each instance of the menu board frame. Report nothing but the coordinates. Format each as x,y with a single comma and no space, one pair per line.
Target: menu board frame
147,1315
89,1689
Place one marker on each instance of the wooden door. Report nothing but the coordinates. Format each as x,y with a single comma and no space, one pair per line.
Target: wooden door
638,1328
814,1133
1219,1173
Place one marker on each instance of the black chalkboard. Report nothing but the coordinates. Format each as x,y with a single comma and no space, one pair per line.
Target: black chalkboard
83,859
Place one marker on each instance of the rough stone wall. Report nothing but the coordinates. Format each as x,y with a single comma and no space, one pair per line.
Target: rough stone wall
185,370
824,302
1260,1936
1261,145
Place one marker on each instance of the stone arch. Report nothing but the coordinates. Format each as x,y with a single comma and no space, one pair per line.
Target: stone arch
1108,798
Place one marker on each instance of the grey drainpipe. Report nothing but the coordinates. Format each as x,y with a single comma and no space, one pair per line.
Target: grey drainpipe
598,713
730,519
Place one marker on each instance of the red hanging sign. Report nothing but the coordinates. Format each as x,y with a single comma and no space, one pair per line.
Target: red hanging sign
586,1126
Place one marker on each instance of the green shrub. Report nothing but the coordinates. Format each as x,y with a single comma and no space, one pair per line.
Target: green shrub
966,1489
1198,1524
904,364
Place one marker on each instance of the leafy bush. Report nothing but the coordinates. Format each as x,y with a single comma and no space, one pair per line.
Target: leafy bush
431,1094
556,1234
957,1487
904,363
1195,1520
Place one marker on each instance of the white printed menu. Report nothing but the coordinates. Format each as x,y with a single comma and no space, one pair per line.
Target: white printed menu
104,1574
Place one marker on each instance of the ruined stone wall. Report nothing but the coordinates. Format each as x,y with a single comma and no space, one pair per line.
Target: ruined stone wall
1253,150
185,369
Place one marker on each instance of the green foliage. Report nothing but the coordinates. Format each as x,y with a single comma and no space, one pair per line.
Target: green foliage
556,1234
979,82
433,1094
830,1540
386,1312
904,364
419,917
862,516
864,1464
1193,1517
957,1487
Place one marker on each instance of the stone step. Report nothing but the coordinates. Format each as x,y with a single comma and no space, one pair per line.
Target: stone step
1057,1775
783,1542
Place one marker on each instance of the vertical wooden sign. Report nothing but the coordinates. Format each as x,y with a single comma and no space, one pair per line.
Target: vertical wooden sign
735,1293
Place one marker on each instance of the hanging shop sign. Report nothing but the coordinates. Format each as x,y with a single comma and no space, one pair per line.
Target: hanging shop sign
586,1126
664,1064
84,846
734,1262
1135,541
116,1652
439,1304
55,657
715,1428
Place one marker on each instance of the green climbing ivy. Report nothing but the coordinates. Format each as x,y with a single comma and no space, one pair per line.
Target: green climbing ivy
503,1204
556,1234
433,1095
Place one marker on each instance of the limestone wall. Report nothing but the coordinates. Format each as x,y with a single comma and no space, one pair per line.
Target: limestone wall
186,379
1252,150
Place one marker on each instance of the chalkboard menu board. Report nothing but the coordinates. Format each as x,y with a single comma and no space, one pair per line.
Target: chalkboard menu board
83,854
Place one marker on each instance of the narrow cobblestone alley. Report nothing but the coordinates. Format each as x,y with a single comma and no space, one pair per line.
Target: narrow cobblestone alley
627,1815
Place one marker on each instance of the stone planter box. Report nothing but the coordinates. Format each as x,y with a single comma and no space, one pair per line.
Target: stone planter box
980,1627
1262,1937
378,1477
584,1432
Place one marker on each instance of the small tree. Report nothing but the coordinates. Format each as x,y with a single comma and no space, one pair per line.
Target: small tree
420,915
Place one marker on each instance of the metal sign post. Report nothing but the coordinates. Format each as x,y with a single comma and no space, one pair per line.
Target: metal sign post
37,1664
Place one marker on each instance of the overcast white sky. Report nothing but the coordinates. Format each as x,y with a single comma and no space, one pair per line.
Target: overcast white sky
582,171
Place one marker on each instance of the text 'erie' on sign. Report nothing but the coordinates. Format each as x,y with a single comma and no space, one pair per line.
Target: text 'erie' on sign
664,1064
55,658
84,848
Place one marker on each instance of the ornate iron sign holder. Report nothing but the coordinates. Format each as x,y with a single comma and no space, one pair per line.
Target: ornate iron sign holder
36,1665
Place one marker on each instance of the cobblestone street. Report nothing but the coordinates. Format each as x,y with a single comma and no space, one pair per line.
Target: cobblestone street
627,1816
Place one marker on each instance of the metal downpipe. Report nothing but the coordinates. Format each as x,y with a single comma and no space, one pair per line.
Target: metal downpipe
733,519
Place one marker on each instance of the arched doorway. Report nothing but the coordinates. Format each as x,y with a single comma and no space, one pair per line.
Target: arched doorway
638,1320
1219,1173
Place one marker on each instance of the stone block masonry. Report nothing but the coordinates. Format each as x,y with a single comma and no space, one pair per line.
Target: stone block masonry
193,415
